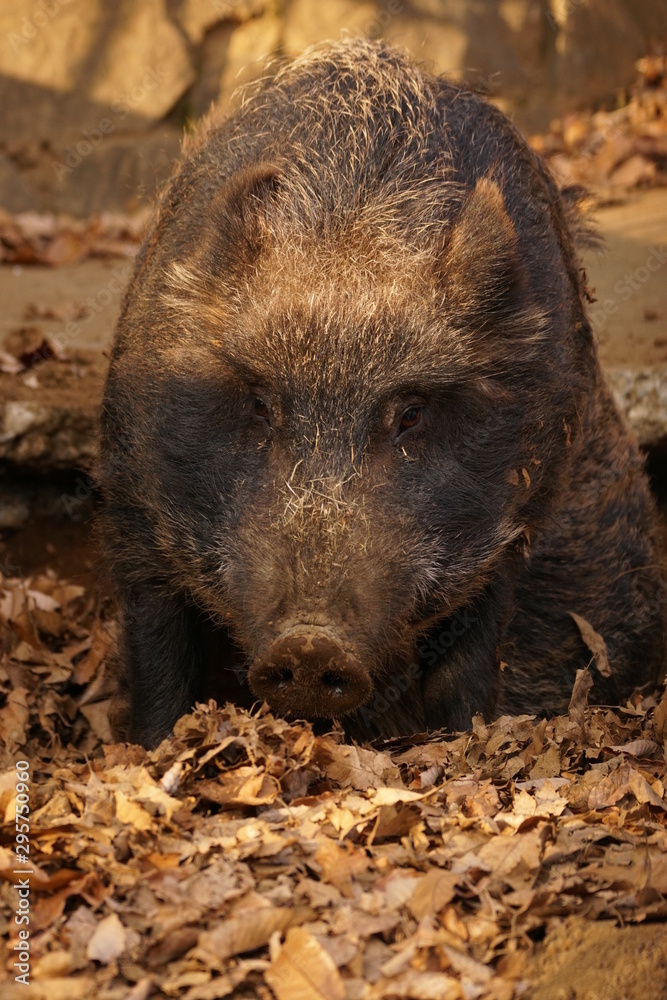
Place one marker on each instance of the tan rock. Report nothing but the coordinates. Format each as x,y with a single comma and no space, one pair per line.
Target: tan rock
45,45
597,44
212,61
15,195
451,10
249,47
145,64
641,395
66,66
310,21
196,17
119,174
442,47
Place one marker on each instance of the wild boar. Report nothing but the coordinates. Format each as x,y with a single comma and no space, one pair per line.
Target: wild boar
358,457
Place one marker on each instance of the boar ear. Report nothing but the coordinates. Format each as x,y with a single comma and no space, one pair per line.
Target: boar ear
225,250
481,265
239,217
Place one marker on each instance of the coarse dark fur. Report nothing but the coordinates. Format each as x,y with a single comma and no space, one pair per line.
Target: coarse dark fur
354,400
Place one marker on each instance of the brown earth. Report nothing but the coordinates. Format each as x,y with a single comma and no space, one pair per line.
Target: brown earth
580,960
630,314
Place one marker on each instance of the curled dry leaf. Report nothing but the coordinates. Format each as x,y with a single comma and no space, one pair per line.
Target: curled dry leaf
109,940
576,711
248,930
660,718
244,830
304,970
595,643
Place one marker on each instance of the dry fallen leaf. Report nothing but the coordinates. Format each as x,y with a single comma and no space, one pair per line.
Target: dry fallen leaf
576,711
595,643
108,942
660,718
246,853
248,930
303,970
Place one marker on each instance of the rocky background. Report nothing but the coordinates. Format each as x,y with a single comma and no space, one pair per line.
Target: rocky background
95,94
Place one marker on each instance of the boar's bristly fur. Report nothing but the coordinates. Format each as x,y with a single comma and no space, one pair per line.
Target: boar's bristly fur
358,457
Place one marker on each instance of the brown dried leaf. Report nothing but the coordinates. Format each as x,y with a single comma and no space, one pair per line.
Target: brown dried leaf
610,789
595,643
247,930
132,813
357,767
636,170
502,855
643,792
108,942
417,986
340,863
433,892
660,718
304,970
246,786
576,710
9,364
637,748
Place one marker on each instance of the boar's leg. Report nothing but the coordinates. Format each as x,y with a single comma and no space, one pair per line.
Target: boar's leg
462,662
162,661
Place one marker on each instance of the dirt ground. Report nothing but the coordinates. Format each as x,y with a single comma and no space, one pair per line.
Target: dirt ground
630,314
580,960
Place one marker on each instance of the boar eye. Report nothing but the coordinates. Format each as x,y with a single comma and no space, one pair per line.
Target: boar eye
261,410
412,417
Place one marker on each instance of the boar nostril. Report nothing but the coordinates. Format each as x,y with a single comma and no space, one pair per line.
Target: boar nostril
335,683
309,674
283,678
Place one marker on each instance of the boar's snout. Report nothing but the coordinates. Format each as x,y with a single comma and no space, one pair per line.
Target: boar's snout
309,674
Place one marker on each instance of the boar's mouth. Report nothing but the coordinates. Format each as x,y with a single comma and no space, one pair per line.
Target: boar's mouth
307,672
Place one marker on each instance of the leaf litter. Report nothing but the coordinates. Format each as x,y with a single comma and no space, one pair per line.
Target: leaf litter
46,238
248,856
618,148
